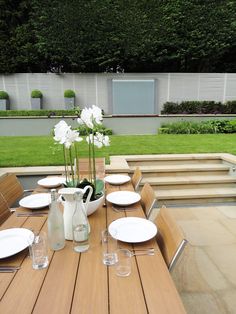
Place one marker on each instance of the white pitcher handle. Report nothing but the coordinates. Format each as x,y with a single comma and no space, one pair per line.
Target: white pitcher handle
60,199
88,197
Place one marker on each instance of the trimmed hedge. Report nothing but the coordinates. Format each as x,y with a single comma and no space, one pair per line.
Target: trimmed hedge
203,127
69,93
36,94
199,107
100,128
49,113
3,95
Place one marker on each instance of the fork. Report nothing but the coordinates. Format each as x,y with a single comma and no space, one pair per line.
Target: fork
137,252
9,269
120,209
21,214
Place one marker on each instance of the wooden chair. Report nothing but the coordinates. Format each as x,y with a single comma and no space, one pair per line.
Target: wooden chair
136,178
4,209
10,189
170,237
148,199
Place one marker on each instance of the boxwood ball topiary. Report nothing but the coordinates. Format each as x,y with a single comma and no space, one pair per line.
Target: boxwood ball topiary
69,93
3,94
36,94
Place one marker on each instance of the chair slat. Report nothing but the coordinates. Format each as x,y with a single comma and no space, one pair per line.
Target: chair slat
148,198
136,178
170,237
4,209
11,188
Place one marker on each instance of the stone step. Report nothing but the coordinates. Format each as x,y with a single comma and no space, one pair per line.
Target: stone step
160,162
189,182
196,201
197,193
134,160
193,169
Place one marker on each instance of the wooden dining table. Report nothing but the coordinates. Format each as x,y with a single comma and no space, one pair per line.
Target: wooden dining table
80,282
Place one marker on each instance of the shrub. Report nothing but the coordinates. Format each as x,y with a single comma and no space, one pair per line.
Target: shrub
231,127
199,107
69,93
3,95
203,127
36,94
188,107
100,128
230,107
170,107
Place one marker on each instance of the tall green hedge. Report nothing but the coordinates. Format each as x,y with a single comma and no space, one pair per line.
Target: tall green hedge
199,107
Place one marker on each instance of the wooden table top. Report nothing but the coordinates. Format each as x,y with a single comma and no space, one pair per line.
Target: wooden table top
80,283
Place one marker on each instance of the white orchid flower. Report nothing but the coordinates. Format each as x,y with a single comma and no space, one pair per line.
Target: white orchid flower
90,116
71,137
80,121
98,140
60,131
86,117
97,114
106,140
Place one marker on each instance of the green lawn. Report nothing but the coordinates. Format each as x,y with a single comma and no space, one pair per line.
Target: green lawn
41,150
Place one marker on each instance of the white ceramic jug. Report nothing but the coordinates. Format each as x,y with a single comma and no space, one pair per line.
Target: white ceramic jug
69,207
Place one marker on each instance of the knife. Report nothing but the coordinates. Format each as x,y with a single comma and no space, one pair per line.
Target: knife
9,269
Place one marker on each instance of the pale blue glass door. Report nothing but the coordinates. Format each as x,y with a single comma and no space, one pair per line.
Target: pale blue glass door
133,97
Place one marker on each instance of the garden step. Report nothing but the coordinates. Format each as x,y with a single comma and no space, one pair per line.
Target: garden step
189,181
166,161
183,168
196,201
197,193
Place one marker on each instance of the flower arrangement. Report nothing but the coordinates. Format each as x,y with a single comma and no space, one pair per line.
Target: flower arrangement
90,121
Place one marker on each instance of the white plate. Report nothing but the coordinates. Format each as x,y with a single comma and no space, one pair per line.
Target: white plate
39,200
132,229
13,241
117,179
123,198
51,182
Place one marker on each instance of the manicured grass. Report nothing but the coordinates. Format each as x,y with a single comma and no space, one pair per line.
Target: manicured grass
41,150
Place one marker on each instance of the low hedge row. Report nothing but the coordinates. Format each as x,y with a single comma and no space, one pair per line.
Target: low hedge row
199,107
203,127
42,112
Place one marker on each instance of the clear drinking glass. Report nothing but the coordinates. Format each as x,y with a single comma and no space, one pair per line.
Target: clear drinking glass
109,247
123,265
38,248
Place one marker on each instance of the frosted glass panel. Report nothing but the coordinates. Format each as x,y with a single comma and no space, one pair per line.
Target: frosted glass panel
133,96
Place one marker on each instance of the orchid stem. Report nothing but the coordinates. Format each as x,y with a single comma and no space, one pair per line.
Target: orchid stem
65,163
71,166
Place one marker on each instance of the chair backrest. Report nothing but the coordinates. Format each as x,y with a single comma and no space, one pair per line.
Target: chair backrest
4,209
148,199
170,237
10,188
136,178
